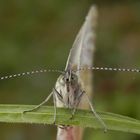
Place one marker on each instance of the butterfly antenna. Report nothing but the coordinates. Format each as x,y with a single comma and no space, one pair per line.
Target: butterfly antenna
110,69
30,73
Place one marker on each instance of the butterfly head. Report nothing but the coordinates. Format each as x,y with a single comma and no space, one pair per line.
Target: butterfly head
70,77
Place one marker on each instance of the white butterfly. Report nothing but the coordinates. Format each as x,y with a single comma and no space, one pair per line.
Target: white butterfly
69,88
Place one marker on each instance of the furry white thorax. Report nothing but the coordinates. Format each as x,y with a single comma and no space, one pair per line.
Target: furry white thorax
68,90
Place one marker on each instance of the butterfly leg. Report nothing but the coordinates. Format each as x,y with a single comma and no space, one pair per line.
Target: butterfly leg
54,101
95,113
56,93
77,103
38,106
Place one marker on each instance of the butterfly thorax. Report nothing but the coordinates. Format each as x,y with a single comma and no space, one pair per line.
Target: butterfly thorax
67,90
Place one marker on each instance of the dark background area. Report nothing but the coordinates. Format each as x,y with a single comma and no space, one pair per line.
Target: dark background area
39,34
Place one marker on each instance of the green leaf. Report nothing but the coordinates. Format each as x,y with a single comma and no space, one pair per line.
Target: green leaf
83,118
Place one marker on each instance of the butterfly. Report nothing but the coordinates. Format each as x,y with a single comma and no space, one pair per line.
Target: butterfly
70,88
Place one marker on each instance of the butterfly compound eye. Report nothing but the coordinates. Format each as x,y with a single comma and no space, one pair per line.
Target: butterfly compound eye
72,78
67,80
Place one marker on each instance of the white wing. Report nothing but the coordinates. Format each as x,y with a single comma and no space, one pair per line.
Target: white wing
81,53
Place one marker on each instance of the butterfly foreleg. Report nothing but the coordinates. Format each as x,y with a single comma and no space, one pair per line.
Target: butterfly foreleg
95,113
78,99
54,101
38,106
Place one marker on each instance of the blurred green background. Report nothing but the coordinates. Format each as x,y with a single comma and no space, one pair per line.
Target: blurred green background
39,34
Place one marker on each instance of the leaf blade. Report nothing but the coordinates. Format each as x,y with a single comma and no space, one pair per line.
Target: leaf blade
83,118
